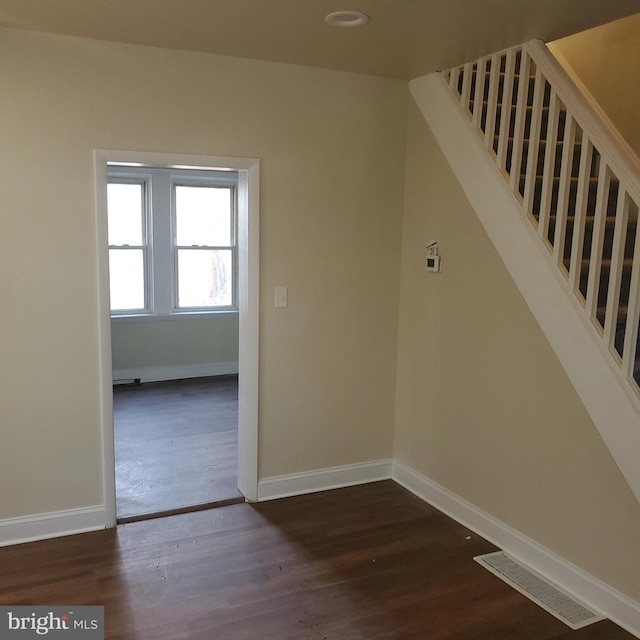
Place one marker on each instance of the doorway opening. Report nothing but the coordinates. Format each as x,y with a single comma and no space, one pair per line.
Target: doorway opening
246,298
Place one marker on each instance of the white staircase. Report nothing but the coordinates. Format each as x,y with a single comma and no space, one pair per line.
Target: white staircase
557,190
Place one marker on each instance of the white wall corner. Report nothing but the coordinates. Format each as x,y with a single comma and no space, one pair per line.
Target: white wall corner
296,484
51,525
607,396
593,592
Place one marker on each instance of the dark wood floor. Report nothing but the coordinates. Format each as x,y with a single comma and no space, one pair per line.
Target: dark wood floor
176,444
370,562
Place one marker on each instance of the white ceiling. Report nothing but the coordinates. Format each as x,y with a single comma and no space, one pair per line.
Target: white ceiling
404,39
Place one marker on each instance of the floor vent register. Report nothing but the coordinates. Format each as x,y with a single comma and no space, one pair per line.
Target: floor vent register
538,589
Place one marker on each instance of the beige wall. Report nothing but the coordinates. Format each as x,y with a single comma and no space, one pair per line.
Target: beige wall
607,60
332,159
482,405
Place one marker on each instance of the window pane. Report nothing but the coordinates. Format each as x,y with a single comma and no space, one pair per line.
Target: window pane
126,273
204,278
124,207
203,216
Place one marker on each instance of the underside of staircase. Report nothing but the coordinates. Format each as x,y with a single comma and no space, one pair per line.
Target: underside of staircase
557,191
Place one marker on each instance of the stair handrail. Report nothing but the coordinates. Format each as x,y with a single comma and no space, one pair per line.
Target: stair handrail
590,116
617,155
617,162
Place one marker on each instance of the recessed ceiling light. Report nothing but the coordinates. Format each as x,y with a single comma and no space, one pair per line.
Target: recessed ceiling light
346,19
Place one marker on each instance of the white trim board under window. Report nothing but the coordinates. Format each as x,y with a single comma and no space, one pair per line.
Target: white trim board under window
172,240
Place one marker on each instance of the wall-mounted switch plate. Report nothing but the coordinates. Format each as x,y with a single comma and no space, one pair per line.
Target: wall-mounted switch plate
282,297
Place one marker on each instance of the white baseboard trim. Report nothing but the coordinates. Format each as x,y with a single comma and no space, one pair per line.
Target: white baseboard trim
51,525
598,595
296,484
176,372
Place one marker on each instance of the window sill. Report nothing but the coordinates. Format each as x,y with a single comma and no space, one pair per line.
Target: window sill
181,316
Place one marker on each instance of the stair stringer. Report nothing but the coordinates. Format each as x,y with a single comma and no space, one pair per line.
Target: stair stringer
606,394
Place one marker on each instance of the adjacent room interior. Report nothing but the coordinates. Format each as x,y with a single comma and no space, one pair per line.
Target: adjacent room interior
173,291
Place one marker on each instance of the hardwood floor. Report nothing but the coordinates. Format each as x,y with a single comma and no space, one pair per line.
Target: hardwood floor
368,562
176,444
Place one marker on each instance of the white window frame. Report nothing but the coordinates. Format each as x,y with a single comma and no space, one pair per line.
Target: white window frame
200,181
146,247
161,276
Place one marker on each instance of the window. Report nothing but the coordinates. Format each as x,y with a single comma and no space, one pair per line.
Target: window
127,245
172,240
